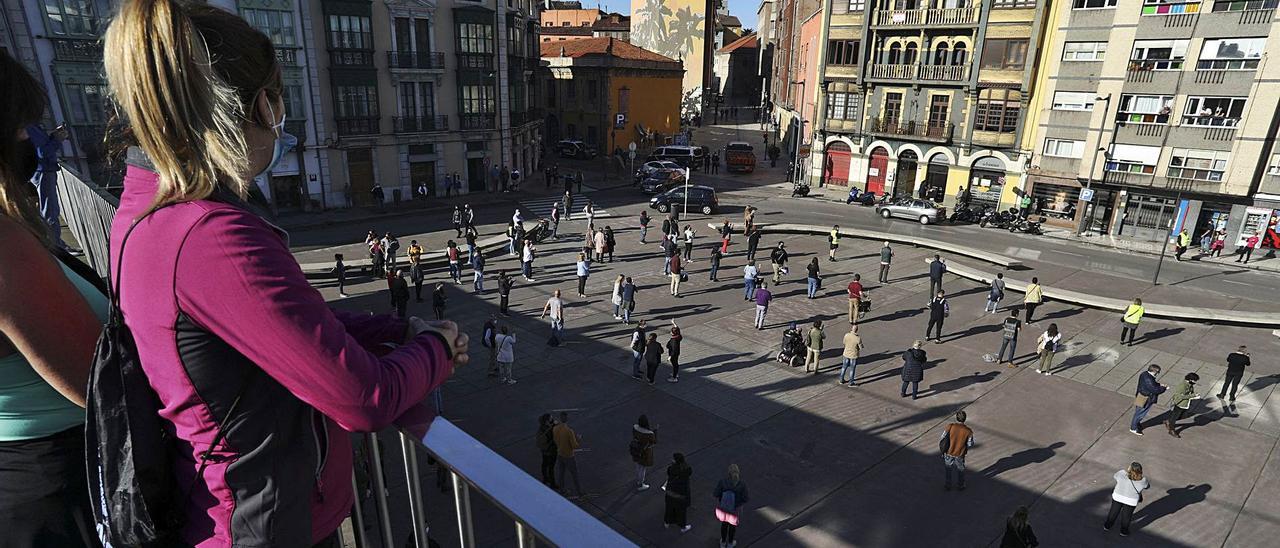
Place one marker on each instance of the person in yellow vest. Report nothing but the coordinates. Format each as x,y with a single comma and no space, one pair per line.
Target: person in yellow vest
1132,316
415,253
834,240
1184,240
1033,298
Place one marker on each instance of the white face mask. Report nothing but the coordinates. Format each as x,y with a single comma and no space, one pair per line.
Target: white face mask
284,143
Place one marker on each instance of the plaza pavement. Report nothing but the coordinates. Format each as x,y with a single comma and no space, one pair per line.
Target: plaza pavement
834,466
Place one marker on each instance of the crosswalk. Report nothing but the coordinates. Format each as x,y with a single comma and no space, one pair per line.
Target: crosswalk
541,207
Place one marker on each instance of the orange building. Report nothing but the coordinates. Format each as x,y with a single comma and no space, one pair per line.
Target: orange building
568,21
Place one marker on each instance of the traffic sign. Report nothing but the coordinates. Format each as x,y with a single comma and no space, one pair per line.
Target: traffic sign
632,146
1086,195
804,150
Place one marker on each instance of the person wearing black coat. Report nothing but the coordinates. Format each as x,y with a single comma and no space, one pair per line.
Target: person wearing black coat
678,495
673,353
936,269
1017,531
652,357
438,300
913,361
939,309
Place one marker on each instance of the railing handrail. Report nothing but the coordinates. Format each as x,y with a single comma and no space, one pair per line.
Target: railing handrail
544,512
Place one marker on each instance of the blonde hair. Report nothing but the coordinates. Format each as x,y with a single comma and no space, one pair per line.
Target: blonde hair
184,76
1135,471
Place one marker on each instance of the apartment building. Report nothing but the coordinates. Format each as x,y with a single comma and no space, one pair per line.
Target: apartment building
927,98
798,28
1167,112
393,92
562,21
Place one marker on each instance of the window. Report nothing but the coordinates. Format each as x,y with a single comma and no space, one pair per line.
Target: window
1158,54
294,105
1005,4
417,99
71,17
477,100
857,5
1063,148
1092,4
1004,54
475,38
1084,51
1213,111
1074,100
1245,5
1170,7
1133,159
85,103
356,101
276,24
998,110
1274,167
842,106
1144,109
515,40
349,32
842,52
1231,54
892,108
1201,165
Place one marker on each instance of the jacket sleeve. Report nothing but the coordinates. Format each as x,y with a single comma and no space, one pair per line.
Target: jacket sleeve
242,285
372,330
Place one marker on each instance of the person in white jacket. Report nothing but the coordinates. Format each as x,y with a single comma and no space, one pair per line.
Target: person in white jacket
616,299
505,343
1047,345
1130,483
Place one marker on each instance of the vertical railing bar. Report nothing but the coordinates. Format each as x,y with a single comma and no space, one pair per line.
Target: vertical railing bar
415,490
358,515
380,488
462,502
524,536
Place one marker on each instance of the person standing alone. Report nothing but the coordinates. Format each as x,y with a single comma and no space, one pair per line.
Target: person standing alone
643,438
956,440
567,444
731,496
1130,483
855,298
995,294
1130,320
1009,331
937,268
673,353
652,357
1236,362
814,354
939,309
506,345
763,296
676,509
1033,298
555,307
886,257
849,365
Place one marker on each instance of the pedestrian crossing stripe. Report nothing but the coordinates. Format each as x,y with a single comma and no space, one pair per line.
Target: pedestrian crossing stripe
541,208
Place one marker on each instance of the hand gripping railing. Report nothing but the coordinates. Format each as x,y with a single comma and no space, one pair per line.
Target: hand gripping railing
539,513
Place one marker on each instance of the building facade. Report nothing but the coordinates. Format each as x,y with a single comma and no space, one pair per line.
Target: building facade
737,80
395,92
1167,112
610,93
563,21
682,30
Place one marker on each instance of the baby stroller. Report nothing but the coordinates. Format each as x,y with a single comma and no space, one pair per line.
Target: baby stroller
792,351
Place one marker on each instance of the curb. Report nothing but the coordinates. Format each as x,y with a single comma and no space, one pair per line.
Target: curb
993,258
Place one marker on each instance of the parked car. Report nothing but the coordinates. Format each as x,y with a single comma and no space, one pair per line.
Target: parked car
573,148
649,168
739,156
684,156
913,208
662,181
701,198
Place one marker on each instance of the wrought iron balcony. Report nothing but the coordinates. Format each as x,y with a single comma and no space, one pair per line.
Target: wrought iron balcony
420,124
65,49
894,72
423,60
945,73
477,121
927,17
288,57
357,125
911,130
351,58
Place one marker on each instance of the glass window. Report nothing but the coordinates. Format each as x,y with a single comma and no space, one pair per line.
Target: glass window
1213,111
1201,165
998,110
85,103
294,104
842,52
477,100
350,32
475,38
1170,7
842,106
1274,167
1231,54
356,101
1133,159
276,24
1084,51
1092,4
1158,54
71,17
1004,54
1074,100
1144,109
857,5
1245,5
1063,148
998,4
417,99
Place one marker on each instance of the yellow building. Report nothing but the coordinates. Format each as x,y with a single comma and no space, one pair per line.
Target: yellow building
610,93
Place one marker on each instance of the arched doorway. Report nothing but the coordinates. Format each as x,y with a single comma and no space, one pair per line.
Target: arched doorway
836,164
906,173
877,171
986,182
935,175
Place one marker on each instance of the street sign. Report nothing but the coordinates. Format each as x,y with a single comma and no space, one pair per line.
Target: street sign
620,121
631,154
804,150
632,146
1086,195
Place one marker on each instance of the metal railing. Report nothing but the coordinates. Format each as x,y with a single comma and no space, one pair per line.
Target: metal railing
420,124
928,16
475,61
428,60
287,57
65,49
946,73
477,121
894,72
351,58
357,125
939,133
537,513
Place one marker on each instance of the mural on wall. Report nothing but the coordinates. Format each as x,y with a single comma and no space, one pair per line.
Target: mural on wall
673,28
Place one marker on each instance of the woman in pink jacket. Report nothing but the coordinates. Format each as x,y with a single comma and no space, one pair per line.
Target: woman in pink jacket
219,308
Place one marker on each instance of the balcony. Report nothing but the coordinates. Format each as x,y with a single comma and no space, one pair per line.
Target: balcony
419,124
927,17
89,51
994,138
540,515
288,57
894,72
944,73
296,128
911,130
475,61
421,60
357,125
351,58
477,121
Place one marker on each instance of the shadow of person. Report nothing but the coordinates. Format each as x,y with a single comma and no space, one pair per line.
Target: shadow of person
1174,500
1022,458
961,382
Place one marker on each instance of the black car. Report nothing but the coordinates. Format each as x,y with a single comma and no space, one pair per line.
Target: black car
662,181
701,198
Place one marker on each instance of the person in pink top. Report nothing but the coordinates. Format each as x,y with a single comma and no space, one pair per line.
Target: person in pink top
1250,244
218,307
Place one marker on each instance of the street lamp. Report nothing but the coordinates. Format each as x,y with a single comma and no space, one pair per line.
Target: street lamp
1087,211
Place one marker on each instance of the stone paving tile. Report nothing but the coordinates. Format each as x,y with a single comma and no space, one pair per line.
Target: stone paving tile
1101,359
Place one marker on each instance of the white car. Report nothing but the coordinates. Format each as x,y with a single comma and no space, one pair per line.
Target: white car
654,166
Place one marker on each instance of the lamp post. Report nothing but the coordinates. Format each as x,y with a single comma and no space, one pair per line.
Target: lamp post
1086,213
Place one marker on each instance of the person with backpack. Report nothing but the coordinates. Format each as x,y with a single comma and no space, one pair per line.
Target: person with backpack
731,496
939,309
1017,531
652,357
1010,328
201,263
1130,320
676,503
1047,345
995,294
643,438
673,353
52,308
506,344
545,441
956,440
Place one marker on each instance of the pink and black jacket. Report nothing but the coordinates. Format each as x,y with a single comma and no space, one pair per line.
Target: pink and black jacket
213,298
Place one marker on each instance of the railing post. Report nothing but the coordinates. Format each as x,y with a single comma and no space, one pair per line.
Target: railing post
524,536
415,490
462,502
380,489
358,515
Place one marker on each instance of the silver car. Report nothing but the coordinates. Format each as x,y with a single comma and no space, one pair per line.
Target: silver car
912,208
